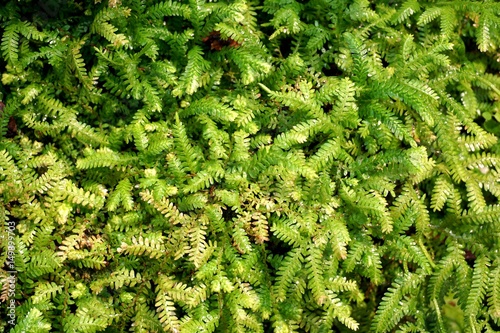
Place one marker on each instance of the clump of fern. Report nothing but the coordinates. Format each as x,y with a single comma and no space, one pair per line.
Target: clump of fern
246,166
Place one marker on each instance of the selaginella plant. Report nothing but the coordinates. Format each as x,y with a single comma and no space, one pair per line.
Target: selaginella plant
243,166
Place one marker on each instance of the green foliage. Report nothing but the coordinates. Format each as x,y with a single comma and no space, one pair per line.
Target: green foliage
243,166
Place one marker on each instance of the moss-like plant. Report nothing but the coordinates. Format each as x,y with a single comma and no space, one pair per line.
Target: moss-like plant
243,166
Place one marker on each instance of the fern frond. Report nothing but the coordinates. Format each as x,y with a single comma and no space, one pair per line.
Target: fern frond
164,206
45,291
407,250
169,8
102,27
152,247
429,15
494,293
167,312
104,157
43,263
10,43
192,79
34,321
478,288
199,249
408,9
395,305
116,280
121,195
483,32
315,274
188,156
489,214
442,190
287,270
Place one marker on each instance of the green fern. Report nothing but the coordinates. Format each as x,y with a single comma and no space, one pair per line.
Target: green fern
288,166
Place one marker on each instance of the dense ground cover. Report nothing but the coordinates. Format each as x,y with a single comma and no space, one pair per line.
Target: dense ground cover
246,166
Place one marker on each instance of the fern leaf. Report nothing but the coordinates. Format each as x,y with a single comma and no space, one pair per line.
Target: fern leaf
186,152
152,247
407,9
34,321
198,246
395,305
494,293
315,274
10,43
483,32
45,291
480,281
167,312
169,8
442,190
191,80
121,194
287,270
429,15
